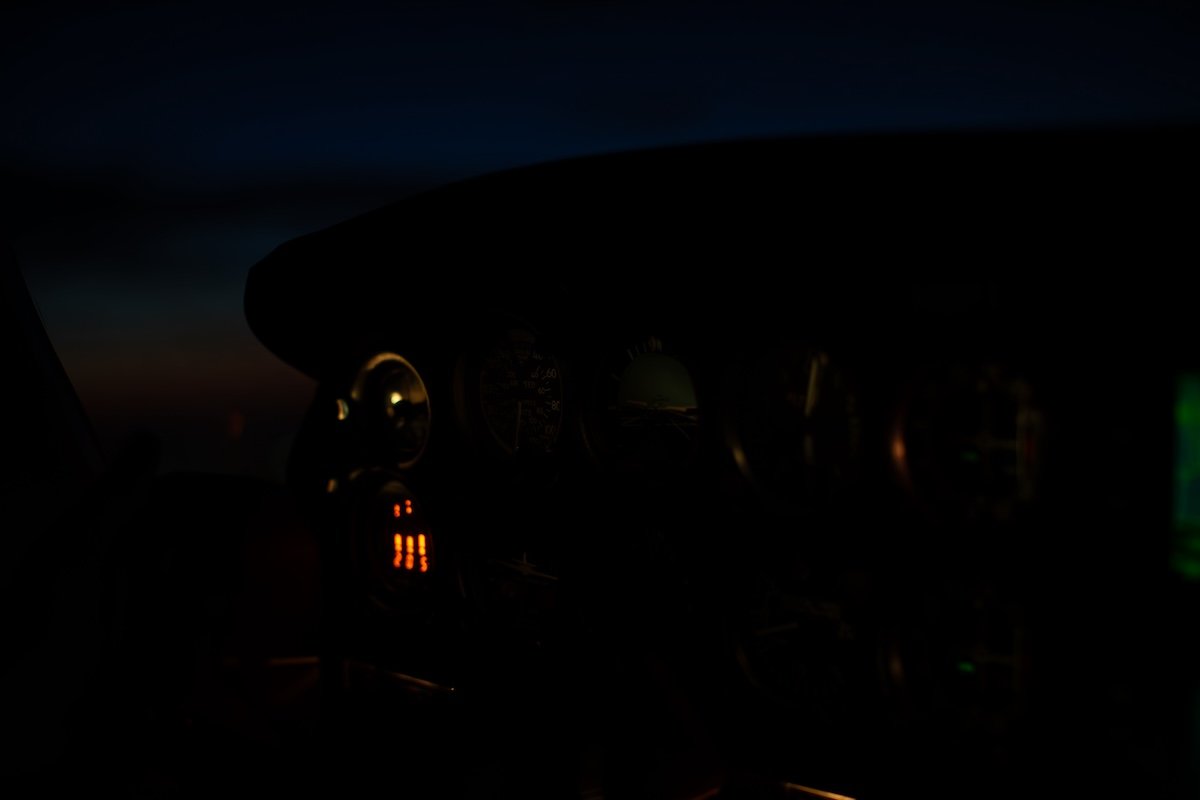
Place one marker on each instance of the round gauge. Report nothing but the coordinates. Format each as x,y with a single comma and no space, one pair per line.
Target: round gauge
396,404
521,394
795,430
969,442
648,412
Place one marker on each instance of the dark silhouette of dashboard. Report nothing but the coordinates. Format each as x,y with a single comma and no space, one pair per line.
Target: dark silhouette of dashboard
841,463
855,466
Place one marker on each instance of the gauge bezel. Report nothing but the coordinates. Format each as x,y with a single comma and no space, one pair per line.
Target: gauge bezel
358,387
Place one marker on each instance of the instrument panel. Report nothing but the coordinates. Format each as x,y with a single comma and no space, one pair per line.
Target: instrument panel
535,481
846,528
793,425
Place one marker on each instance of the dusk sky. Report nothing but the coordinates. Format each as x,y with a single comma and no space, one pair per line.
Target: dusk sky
152,154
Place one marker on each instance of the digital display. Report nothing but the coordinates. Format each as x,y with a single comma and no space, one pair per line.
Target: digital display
411,544
409,556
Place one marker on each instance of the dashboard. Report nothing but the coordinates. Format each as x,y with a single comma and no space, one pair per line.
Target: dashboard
828,467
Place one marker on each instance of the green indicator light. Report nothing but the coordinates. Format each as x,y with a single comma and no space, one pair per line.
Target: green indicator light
966,667
1185,556
1185,566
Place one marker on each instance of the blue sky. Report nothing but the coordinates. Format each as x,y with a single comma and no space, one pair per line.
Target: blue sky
204,94
155,151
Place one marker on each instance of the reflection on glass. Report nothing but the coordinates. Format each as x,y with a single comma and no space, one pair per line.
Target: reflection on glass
397,407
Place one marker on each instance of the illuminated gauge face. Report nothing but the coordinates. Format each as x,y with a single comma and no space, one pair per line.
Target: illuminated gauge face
968,443
393,398
795,428
650,414
521,395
